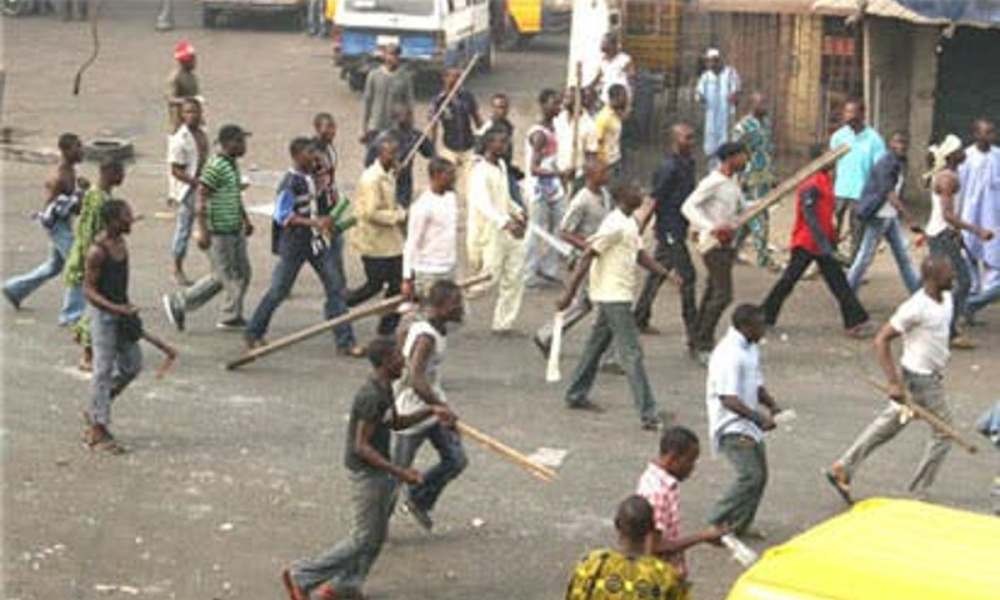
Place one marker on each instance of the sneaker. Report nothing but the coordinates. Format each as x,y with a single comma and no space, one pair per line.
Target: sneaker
961,342
652,424
174,313
419,515
234,324
10,298
545,347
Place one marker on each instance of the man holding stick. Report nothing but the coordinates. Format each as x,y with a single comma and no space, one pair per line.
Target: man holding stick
420,387
340,572
610,261
924,323
458,122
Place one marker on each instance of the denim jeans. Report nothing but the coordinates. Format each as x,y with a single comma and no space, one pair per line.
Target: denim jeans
182,229
286,270
315,17
61,240
345,565
615,322
116,364
948,243
738,505
541,259
892,231
73,306
989,292
451,463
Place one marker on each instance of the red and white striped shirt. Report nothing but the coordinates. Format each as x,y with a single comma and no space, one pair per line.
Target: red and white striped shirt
660,488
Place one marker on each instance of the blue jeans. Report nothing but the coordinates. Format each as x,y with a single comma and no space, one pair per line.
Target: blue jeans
20,287
315,18
182,231
875,230
541,259
452,461
73,306
989,292
325,265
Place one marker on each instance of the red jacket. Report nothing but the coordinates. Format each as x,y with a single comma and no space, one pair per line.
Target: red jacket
815,193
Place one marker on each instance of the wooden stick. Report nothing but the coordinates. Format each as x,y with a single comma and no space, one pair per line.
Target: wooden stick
437,115
932,419
165,348
544,473
377,308
577,101
779,192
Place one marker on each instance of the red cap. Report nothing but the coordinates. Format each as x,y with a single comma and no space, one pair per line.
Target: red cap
183,51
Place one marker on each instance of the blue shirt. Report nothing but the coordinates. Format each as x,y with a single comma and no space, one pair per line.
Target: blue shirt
673,182
852,170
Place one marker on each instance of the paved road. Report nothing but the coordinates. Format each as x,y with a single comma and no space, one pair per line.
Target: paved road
235,474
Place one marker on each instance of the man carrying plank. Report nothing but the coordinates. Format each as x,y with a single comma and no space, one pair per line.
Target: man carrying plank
924,322
424,347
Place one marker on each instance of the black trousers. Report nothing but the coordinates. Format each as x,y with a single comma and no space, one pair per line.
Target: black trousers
673,255
717,296
851,310
381,273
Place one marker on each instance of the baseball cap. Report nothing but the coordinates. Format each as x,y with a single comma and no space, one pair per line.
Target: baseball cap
183,51
231,133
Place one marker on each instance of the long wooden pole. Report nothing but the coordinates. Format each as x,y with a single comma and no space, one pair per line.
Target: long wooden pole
577,101
544,473
932,419
377,308
785,187
440,111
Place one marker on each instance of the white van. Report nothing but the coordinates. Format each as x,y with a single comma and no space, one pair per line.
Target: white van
430,33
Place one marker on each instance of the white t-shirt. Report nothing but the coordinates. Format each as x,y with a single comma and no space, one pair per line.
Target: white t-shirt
925,326
407,400
733,370
614,71
613,272
586,140
182,149
431,234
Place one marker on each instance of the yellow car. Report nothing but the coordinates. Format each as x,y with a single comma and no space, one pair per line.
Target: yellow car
883,549
514,22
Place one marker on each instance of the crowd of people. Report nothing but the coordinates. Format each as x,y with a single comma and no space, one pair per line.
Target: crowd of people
572,205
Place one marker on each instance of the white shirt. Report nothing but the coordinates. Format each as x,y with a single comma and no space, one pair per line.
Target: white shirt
407,400
431,234
613,271
715,202
489,191
888,211
733,370
586,140
925,326
936,224
182,149
614,70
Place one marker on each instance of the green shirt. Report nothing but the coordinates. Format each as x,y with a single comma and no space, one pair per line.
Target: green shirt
225,209
87,227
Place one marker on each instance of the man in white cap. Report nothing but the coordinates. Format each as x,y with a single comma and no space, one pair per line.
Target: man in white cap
719,90
980,181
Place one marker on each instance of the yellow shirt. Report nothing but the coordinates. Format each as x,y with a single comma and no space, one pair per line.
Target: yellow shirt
613,271
378,232
608,127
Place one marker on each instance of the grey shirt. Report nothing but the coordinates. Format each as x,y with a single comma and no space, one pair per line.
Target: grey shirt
586,211
383,90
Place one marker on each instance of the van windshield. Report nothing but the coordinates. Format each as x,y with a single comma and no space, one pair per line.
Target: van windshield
397,7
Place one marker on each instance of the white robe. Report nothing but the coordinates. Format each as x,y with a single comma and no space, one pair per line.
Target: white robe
713,91
979,177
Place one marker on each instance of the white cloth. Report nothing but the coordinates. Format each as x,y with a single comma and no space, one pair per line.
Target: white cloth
407,400
936,223
586,140
489,193
431,235
979,177
614,70
182,149
733,370
925,325
613,273
715,202
887,210
713,91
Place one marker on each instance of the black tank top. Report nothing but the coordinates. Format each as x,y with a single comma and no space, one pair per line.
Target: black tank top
113,281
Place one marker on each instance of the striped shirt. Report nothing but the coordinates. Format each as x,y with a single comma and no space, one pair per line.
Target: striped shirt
660,489
225,209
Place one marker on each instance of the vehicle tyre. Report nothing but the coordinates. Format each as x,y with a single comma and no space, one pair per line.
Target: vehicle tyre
510,37
209,17
486,61
356,80
14,8
100,149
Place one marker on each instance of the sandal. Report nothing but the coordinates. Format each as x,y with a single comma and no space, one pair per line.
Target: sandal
353,352
843,489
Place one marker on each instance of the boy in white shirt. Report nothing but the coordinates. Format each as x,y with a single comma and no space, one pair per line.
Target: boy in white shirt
429,253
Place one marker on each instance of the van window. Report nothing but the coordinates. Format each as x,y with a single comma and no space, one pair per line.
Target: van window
395,7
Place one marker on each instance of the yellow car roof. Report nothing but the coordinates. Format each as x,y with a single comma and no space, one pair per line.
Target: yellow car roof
883,549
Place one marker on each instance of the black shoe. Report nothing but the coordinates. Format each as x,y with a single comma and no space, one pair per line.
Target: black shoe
419,515
544,347
174,314
586,405
234,324
10,298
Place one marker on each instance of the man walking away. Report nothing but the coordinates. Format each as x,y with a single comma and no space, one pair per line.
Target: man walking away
980,180
183,83
923,322
880,210
757,179
718,89
420,388
632,566
305,228
385,87
712,208
945,227
115,324
407,137
673,182
430,252
735,395
221,229
610,262
340,572
853,168
545,191
187,153
582,220
378,236
63,192
813,237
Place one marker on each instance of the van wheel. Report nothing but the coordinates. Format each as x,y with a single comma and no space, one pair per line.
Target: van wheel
487,60
356,80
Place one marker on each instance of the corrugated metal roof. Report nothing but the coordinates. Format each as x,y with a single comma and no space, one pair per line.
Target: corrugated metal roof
879,8
799,7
